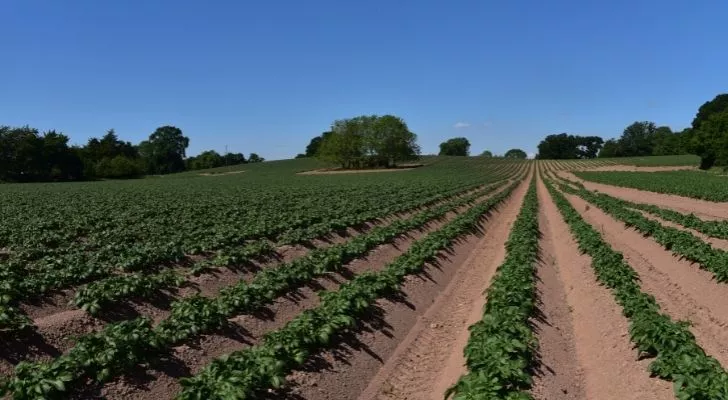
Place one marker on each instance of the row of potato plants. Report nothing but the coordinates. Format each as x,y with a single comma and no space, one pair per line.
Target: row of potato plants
679,242
677,356
252,371
18,282
501,348
713,228
695,184
119,347
96,295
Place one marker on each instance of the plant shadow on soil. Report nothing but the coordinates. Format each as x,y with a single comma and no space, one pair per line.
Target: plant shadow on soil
24,345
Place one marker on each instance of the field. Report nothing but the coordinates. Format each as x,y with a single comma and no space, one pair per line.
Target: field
474,278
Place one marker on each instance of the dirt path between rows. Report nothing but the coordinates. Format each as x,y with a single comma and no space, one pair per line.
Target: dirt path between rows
683,290
161,381
701,208
608,364
389,339
430,358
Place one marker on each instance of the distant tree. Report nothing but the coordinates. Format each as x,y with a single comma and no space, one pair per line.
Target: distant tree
716,106
557,147
315,143
368,141
588,146
205,160
234,159
710,141
516,153
301,155
102,151
458,146
665,142
610,149
486,154
638,139
26,155
120,167
164,152
254,158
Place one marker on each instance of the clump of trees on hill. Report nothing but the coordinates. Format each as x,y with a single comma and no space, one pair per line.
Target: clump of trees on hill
366,141
26,155
707,138
516,153
564,147
458,146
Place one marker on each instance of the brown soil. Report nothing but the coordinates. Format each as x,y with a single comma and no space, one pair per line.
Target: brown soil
633,168
58,321
701,208
430,358
161,381
716,243
607,362
221,173
356,171
684,291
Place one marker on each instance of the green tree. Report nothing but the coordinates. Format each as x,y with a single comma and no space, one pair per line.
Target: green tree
716,106
254,158
516,153
205,160
458,146
486,154
315,144
368,141
710,142
557,147
638,139
164,152
610,149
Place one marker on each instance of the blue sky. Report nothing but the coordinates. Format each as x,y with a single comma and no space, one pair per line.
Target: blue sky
266,76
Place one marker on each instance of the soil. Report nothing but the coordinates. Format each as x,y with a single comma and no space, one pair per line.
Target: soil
161,381
701,208
633,168
607,364
683,290
429,358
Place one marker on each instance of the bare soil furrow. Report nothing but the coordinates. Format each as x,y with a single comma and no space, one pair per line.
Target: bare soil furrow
345,371
609,368
683,290
162,380
430,358
701,208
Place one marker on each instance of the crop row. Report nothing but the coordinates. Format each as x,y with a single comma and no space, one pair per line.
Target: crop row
713,228
696,184
121,346
678,358
19,283
244,373
95,296
681,243
501,347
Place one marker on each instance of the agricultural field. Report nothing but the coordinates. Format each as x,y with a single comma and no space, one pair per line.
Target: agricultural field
462,278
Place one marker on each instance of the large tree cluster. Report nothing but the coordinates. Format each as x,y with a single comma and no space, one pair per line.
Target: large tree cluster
565,147
26,155
366,141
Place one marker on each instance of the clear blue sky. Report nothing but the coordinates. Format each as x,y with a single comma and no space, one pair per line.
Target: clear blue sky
266,76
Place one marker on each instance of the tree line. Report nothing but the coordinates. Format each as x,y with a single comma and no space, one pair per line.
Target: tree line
460,146
27,155
707,137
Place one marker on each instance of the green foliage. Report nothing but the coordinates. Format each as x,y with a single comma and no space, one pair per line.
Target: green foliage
486,154
695,184
458,146
27,156
678,358
244,373
502,345
718,105
710,142
254,158
257,210
368,141
164,151
565,146
516,153
681,243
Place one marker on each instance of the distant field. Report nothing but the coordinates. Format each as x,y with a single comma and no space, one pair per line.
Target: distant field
657,161
697,184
